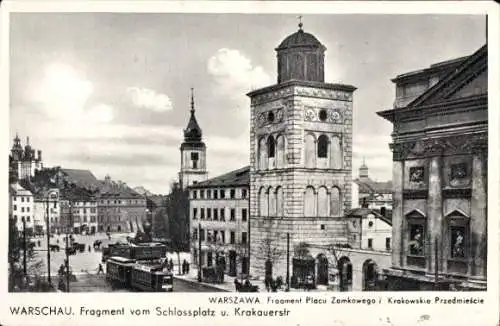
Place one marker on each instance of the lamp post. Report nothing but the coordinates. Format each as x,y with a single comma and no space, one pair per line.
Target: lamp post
48,235
24,247
199,252
288,262
69,226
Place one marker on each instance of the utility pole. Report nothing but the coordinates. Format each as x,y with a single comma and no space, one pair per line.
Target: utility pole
48,240
436,269
288,262
70,224
199,252
24,247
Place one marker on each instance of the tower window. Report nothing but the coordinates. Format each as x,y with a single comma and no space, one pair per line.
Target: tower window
271,146
323,146
323,115
270,116
194,160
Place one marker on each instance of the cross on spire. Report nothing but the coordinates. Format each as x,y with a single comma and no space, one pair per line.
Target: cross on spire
300,22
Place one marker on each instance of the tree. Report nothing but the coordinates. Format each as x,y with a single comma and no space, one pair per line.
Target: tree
270,251
177,205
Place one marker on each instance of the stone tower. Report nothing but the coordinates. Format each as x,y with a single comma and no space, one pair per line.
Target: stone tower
193,153
300,163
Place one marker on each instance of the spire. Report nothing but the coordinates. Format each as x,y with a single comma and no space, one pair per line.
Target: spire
192,133
300,23
192,100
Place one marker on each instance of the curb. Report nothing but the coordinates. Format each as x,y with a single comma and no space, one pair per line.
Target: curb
203,285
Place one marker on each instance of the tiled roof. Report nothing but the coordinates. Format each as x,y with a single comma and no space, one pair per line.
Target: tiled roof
370,186
17,189
239,177
113,190
82,178
363,213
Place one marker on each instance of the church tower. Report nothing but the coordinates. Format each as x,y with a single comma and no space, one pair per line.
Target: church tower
363,171
300,162
193,153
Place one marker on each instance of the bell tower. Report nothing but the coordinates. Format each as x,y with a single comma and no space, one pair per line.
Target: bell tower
193,152
301,153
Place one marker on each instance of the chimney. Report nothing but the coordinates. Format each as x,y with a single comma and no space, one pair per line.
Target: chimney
39,155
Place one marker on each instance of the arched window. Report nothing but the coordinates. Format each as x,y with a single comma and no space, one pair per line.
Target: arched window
262,154
279,202
309,202
336,153
336,205
323,202
271,146
263,202
280,159
272,201
309,151
323,146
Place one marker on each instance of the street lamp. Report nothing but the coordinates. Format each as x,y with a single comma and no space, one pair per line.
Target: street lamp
49,196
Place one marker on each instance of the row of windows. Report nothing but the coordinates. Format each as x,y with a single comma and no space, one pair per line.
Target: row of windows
27,218
213,214
219,236
119,201
323,152
23,209
217,193
76,219
117,218
14,198
369,243
316,203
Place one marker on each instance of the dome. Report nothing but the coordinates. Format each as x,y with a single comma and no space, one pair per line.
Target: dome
300,39
193,130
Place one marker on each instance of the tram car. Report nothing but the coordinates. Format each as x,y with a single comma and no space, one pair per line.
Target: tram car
143,251
151,279
118,271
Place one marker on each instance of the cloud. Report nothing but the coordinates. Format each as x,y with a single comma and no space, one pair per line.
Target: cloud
149,99
101,113
61,92
234,73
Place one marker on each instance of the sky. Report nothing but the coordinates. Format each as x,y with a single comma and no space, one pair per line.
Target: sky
109,92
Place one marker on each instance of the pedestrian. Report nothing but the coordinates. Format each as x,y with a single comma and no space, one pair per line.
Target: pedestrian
187,267
100,269
171,264
90,249
267,282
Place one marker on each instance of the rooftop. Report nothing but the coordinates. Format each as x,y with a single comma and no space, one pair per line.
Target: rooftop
82,178
370,186
239,177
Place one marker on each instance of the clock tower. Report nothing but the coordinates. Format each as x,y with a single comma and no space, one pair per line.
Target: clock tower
301,148
193,153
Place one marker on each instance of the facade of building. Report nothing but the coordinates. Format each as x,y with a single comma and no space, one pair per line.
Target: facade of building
300,164
369,230
193,153
21,206
24,162
219,219
47,203
119,208
371,194
440,139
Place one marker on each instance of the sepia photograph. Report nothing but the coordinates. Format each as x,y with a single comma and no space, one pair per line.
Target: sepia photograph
200,152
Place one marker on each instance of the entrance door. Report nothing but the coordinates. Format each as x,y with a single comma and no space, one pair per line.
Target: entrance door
269,269
232,263
322,270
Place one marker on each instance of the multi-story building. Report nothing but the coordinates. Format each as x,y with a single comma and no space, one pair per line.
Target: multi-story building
300,164
193,153
21,207
46,203
219,215
119,208
24,161
440,139
369,230
371,194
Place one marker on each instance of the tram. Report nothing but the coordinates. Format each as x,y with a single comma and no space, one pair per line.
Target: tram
150,250
145,276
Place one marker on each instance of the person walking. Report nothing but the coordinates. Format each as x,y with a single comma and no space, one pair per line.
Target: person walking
100,269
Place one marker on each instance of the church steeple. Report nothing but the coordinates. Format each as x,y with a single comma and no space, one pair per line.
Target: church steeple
192,133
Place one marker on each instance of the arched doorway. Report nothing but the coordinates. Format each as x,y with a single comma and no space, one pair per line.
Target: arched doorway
269,268
345,273
322,269
370,275
119,228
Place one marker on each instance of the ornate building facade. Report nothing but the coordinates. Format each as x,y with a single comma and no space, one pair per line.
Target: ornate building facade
193,153
24,162
440,140
300,162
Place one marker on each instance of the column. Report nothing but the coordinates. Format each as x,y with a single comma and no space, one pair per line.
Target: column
478,222
434,216
398,231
